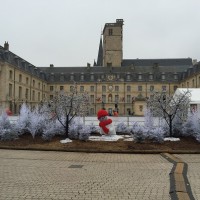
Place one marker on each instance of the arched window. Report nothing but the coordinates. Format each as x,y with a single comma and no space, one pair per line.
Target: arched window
110,98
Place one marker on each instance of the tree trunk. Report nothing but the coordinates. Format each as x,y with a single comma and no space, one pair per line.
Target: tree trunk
67,126
170,126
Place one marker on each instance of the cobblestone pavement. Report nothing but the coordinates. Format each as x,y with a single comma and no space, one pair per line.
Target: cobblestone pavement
63,175
193,174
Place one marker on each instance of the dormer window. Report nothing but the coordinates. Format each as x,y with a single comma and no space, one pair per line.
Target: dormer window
71,77
150,76
163,76
62,78
52,77
139,76
92,77
175,76
82,77
128,77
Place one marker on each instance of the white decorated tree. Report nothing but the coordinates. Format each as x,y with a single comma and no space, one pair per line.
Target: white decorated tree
67,105
8,131
192,126
169,107
24,119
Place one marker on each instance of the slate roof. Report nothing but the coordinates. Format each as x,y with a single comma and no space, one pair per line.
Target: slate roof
136,70
160,62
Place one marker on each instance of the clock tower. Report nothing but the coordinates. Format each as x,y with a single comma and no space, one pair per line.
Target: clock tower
113,43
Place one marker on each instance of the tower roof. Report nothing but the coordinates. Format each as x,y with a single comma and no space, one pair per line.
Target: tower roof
100,54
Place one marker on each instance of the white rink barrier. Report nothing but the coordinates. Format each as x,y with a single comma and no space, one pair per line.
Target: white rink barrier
116,120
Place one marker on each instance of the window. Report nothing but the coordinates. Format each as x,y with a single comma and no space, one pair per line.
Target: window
103,88
164,88
192,82
110,98
10,74
38,85
199,80
71,77
82,77
139,88
38,96
92,88
51,97
26,94
51,87
20,92
33,83
110,31
71,88
151,97
128,76
109,64
27,80
150,76
116,88
116,98
33,96
140,76
61,87
175,76
193,108
91,111
104,98
141,108
128,98
20,78
62,77
151,88
188,84
10,90
175,87
92,77
163,76
81,88
128,88
92,98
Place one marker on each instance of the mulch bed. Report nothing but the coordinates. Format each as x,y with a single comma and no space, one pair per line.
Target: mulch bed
27,142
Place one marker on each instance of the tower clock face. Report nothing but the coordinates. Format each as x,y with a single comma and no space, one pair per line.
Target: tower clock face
110,87
110,77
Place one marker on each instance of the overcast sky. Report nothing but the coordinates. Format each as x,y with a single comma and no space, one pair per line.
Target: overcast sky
67,32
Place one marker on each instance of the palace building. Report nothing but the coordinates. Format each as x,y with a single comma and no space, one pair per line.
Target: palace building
113,83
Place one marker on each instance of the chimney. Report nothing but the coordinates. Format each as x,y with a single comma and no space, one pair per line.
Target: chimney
6,46
51,65
88,64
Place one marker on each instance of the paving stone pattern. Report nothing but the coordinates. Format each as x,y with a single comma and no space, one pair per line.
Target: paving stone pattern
51,175
193,174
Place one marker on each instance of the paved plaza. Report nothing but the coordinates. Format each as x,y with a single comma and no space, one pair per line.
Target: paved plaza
64,175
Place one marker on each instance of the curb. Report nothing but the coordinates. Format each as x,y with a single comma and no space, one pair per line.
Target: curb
179,185
109,151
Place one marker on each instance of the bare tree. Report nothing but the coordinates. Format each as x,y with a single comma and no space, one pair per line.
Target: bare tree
169,107
66,105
